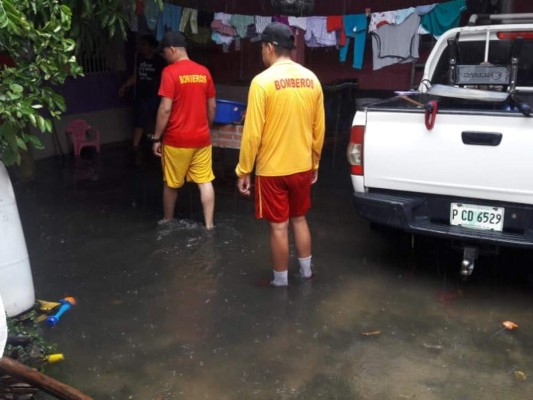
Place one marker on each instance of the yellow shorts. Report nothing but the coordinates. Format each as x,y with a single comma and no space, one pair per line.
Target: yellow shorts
194,164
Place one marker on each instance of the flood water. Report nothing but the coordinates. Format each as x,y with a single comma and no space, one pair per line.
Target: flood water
177,312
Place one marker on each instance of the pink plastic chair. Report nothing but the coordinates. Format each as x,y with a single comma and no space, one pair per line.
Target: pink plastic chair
78,130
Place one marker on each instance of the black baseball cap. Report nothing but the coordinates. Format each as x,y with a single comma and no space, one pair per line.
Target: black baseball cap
172,39
278,34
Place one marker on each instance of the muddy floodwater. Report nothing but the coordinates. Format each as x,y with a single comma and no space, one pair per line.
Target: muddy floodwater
177,312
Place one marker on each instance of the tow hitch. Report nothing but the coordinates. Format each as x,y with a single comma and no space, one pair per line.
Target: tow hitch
469,258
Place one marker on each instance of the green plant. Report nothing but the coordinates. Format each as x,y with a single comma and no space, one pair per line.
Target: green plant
33,33
42,38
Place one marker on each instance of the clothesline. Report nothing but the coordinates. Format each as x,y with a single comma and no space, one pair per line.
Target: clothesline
395,34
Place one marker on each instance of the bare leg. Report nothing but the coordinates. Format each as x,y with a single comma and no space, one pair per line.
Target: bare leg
170,195
302,236
207,196
279,245
137,136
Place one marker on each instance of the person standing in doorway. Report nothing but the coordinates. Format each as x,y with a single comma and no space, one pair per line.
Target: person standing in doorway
282,137
145,80
182,138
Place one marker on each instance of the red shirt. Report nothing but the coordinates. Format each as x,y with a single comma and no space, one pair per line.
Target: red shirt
189,85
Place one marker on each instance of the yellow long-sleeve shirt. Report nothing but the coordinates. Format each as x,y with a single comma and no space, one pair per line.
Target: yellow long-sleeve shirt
284,126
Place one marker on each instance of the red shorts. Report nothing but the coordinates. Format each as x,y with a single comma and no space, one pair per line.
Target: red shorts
278,198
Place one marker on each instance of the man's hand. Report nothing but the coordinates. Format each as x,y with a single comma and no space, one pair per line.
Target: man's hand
244,185
156,149
314,176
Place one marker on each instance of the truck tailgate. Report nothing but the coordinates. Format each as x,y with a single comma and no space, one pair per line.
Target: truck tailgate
452,158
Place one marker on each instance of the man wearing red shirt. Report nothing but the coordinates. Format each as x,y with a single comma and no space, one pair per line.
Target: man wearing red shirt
181,136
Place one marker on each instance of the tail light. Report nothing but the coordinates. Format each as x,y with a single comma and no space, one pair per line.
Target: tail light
515,35
355,150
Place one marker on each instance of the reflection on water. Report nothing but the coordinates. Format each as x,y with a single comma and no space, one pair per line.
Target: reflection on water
173,312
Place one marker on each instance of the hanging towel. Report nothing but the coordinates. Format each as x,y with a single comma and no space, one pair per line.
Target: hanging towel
189,15
298,22
261,23
443,17
169,19
355,27
240,23
317,34
381,18
334,23
393,44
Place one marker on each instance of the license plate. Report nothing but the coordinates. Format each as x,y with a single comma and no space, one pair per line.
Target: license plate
477,217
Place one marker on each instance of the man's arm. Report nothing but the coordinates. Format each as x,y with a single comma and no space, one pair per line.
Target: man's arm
319,128
130,82
211,110
163,113
252,131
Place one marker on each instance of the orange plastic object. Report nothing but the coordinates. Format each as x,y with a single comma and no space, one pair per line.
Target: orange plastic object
71,300
509,325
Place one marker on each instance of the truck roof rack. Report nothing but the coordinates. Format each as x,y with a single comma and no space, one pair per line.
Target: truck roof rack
493,19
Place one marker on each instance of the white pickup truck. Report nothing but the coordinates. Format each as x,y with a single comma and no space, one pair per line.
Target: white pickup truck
455,158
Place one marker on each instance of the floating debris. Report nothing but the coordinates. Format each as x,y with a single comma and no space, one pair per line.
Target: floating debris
521,376
371,333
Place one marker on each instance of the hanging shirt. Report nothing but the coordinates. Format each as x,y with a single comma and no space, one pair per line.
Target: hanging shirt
169,19
443,17
317,34
335,23
401,15
151,13
240,23
355,28
298,22
261,23
393,44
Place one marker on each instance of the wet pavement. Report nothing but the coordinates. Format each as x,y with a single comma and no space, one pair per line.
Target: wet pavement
176,312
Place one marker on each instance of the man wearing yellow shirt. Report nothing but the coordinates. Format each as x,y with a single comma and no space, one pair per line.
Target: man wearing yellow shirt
282,138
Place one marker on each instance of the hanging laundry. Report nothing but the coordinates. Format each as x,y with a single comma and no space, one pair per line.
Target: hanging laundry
220,38
317,34
282,19
355,26
381,18
169,19
221,24
423,10
261,23
298,22
334,23
151,13
443,17
189,15
240,23
393,44
139,7
401,15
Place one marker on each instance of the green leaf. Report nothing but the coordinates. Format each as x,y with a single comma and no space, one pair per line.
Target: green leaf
21,144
